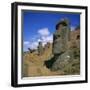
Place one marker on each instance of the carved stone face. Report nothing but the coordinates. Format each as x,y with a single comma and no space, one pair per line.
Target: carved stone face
60,27
61,36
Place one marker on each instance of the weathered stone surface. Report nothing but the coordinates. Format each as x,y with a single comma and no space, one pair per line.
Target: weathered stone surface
65,58
61,37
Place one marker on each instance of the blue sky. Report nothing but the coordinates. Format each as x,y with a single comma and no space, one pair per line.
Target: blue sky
40,26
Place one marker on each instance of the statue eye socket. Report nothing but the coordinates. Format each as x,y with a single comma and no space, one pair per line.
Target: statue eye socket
58,35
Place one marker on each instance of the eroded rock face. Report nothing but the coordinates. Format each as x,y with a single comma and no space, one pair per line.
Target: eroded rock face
66,58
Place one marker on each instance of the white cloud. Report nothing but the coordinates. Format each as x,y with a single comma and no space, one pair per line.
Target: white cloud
33,45
48,38
44,32
26,42
26,45
39,40
44,36
72,28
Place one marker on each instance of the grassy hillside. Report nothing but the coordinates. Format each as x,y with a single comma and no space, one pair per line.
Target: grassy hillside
34,64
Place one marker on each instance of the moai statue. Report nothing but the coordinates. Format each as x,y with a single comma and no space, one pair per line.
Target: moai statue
47,45
40,48
30,51
61,37
59,49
